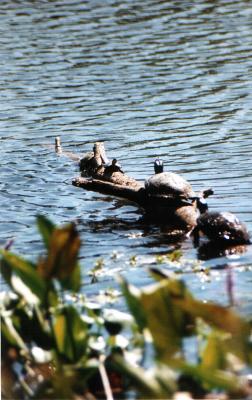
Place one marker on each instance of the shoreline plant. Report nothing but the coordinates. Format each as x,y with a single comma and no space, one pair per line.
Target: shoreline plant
58,349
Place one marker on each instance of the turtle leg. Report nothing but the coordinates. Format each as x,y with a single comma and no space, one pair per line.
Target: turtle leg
195,235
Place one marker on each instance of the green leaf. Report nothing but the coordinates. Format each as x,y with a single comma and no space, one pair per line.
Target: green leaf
62,337
153,307
215,315
61,261
133,298
166,322
46,228
10,333
70,333
73,282
213,356
224,319
6,272
29,278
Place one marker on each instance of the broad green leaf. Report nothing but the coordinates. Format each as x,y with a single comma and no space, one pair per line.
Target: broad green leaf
132,295
10,333
224,319
46,228
214,355
220,346
73,282
26,271
70,333
153,307
62,337
165,322
78,330
215,315
6,271
240,346
61,260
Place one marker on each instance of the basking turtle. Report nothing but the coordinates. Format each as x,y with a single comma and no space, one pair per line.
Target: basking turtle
93,160
223,227
113,167
168,183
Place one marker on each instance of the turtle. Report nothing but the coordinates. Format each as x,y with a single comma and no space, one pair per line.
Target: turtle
222,227
168,183
114,166
93,160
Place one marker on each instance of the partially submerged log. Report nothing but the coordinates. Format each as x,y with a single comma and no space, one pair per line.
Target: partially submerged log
130,192
178,211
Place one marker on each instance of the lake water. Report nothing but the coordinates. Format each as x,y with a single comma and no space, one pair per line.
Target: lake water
170,79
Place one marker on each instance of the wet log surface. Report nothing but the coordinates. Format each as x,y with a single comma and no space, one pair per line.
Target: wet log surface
129,192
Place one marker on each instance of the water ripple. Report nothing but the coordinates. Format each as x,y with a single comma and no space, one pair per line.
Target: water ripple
154,79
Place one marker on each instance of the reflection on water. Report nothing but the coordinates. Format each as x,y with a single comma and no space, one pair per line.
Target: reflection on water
154,78
211,250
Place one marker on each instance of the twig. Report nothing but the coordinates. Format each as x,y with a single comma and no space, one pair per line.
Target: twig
8,244
230,286
105,379
58,148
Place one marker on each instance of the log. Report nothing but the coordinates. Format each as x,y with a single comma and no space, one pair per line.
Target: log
176,211
161,209
105,187
134,192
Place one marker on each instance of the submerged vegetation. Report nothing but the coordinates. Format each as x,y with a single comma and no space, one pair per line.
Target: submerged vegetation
59,344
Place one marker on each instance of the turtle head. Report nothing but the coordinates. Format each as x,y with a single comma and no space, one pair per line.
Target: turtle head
200,200
158,166
201,204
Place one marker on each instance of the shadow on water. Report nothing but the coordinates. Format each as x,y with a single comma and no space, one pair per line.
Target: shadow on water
159,234
210,250
163,233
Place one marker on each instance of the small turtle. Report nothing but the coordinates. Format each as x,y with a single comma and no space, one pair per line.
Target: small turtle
223,227
94,159
168,183
113,167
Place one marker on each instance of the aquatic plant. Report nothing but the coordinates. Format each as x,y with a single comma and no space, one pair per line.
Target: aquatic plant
57,343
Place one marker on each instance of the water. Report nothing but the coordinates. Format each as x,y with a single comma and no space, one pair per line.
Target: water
154,78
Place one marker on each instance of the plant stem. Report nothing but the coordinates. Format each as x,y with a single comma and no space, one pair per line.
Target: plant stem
105,380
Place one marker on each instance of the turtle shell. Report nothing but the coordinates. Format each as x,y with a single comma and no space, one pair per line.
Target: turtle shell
223,226
168,183
85,162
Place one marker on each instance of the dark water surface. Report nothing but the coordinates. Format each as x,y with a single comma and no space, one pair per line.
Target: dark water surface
150,78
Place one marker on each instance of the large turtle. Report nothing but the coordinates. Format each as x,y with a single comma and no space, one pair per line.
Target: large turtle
168,183
222,227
